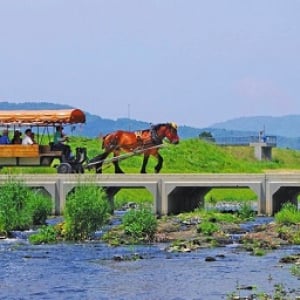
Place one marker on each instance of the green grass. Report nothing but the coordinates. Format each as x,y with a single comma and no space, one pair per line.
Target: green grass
189,156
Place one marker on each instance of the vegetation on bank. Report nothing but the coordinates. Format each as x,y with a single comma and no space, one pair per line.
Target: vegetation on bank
21,208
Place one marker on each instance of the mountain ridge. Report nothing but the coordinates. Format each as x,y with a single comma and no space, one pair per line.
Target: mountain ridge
287,126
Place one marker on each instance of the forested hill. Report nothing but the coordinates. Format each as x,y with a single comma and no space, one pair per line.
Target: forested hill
285,128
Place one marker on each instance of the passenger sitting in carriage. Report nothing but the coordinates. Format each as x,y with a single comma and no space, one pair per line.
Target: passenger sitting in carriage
17,138
27,140
4,139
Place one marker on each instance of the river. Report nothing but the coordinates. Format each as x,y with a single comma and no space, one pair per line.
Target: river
93,270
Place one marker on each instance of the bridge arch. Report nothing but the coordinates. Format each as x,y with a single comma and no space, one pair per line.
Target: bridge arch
284,195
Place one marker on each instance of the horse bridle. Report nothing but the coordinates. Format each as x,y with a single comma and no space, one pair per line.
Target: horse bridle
156,139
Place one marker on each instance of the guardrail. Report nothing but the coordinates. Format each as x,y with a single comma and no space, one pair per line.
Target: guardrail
270,140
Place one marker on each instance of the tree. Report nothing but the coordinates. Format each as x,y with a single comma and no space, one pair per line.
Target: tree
207,136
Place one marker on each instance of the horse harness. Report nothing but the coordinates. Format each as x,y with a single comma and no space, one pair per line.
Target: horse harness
153,139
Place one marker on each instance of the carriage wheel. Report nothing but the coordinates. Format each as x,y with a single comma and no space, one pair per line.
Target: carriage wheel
64,168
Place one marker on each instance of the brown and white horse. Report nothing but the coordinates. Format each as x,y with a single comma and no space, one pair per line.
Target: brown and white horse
145,141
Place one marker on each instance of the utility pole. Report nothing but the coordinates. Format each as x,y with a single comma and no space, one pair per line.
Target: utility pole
129,117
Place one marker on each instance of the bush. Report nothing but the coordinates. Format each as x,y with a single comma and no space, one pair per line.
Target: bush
288,214
21,207
140,224
246,212
86,210
41,208
46,235
208,228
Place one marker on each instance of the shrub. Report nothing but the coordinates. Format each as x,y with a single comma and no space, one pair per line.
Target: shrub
85,212
46,235
288,214
208,228
140,224
246,212
21,207
41,207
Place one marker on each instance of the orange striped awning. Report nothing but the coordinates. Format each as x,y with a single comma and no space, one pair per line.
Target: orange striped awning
42,117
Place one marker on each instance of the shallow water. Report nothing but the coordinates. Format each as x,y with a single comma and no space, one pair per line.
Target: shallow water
91,271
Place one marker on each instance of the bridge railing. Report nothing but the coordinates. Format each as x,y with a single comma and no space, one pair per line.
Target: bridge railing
270,140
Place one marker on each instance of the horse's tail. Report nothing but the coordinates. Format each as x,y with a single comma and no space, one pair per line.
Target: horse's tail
103,141
109,141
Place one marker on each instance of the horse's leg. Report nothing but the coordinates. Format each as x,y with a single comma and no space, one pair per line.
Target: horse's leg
159,163
116,163
144,165
100,158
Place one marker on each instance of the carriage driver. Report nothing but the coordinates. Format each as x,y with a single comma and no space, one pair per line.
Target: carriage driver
59,142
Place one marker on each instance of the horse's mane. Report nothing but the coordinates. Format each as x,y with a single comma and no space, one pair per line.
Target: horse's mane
156,126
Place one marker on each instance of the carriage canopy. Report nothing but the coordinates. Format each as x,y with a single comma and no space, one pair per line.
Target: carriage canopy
41,117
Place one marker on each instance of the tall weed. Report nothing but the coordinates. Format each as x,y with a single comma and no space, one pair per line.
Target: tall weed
289,214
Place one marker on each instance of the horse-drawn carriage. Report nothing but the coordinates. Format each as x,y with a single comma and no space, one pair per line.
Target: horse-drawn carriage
42,153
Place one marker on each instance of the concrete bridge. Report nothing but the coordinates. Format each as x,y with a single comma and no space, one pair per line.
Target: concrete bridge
172,193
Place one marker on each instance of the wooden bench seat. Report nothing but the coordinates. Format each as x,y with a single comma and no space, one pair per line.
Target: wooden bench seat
19,150
52,154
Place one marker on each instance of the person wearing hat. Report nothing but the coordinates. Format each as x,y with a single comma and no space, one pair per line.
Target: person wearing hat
4,139
59,142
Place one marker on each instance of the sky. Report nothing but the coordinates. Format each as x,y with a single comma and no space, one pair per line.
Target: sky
192,62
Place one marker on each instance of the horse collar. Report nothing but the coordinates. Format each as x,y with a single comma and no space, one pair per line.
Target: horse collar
154,136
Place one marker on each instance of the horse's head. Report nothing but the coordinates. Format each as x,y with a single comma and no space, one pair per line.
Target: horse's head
169,131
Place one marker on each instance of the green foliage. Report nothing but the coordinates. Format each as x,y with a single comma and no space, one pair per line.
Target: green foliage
41,207
289,232
208,228
230,195
288,215
295,270
46,235
207,136
86,210
279,293
246,212
211,216
21,207
296,238
140,224
138,196
258,251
